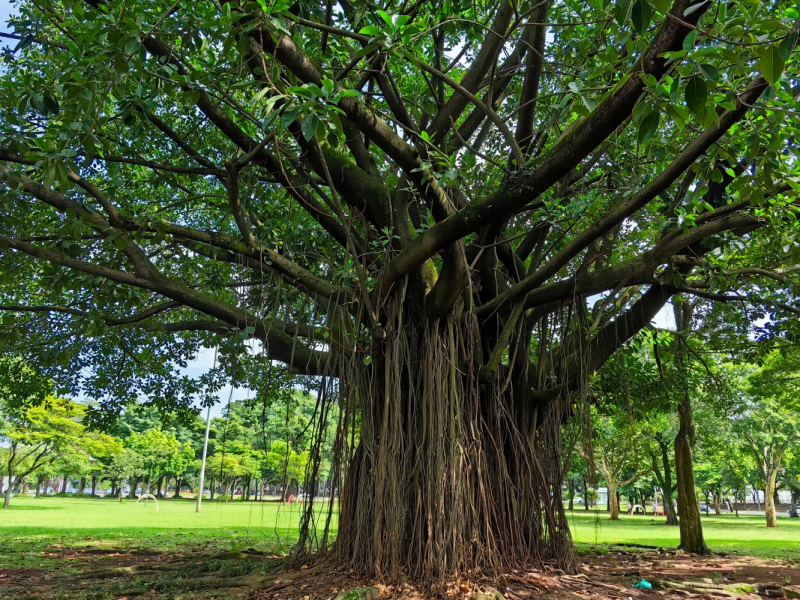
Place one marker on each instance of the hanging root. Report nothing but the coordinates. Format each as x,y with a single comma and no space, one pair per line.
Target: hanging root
437,478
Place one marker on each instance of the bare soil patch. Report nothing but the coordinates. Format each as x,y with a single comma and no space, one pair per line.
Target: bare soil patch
109,573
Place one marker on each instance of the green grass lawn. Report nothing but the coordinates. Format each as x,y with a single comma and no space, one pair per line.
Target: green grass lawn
31,526
725,533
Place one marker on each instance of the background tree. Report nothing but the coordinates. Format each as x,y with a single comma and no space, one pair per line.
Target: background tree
38,436
126,464
770,421
661,431
791,477
619,450
421,230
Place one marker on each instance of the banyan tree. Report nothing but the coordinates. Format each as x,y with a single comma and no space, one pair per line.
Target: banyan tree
450,213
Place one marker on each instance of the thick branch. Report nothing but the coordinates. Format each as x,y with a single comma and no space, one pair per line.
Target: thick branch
525,186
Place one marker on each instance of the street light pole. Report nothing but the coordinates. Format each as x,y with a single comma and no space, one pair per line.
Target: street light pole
203,466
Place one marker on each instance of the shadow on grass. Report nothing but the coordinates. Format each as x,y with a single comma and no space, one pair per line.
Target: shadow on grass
13,506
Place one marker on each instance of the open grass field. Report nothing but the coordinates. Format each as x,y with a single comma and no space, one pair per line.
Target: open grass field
745,535
98,549
30,526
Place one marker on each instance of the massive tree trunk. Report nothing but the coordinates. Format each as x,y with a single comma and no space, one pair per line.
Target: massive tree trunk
449,472
690,525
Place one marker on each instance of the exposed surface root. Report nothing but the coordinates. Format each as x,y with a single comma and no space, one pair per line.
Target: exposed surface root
246,576
601,576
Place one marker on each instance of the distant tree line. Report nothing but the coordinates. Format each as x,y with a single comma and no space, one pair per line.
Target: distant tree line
737,402
257,447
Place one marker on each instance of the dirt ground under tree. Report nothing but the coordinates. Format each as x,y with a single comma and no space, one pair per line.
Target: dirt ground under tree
108,573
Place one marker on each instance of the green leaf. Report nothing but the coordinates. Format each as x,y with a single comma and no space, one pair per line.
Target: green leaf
710,72
693,8
309,125
787,45
649,126
696,94
367,359
678,114
662,6
51,104
385,16
641,15
337,123
675,88
621,10
288,117
301,91
131,46
400,20
688,41
771,63
371,30
259,95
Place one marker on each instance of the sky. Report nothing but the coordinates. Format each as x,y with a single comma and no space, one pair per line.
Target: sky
205,360
5,11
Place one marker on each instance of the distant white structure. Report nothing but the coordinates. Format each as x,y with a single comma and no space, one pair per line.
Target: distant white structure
757,497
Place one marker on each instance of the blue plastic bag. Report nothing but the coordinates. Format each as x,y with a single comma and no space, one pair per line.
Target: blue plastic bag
643,585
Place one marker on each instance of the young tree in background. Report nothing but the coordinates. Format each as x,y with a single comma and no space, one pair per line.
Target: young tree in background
126,464
770,419
619,455
39,436
661,435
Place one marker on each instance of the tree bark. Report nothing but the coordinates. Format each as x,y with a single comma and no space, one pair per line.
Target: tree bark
665,480
432,445
7,497
613,502
690,525
769,498
177,493
571,492
585,495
